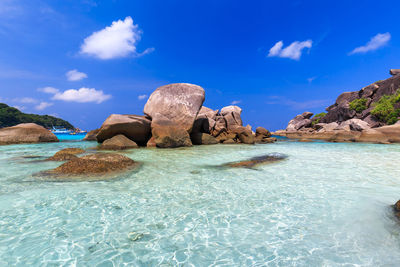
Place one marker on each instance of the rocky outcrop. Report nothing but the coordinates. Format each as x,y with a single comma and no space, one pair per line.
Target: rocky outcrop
300,121
263,136
91,135
94,164
118,142
177,103
351,118
136,128
66,154
26,133
244,134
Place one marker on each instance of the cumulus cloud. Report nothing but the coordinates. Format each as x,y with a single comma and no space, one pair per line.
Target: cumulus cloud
141,97
235,102
82,95
75,75
49,90
43,105
376,42
115,41
293,51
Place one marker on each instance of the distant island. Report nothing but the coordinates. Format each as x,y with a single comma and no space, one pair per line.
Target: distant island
10,116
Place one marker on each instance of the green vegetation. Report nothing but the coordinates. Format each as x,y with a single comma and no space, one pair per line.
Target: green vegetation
10,116
385,109
359,104
318,117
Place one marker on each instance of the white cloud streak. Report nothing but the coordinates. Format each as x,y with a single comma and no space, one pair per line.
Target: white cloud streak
75,75
141,97
235,102
293,51
49,90
376,42
115,41
43,105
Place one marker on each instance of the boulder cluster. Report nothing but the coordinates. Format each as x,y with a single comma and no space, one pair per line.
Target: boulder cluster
345,121
175,117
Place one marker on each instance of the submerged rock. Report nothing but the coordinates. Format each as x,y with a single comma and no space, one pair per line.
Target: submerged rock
396,208
259,160
66,154
26,133
99,163
118,142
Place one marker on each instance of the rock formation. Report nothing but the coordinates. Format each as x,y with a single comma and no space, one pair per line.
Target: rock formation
26,133
362,116
118,142
175,117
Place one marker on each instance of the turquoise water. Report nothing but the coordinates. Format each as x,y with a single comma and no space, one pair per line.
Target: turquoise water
70,137
327,204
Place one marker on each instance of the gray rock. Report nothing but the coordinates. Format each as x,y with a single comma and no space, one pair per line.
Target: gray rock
118,142
394,72
232,117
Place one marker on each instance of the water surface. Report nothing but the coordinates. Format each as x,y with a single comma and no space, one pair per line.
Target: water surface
327,204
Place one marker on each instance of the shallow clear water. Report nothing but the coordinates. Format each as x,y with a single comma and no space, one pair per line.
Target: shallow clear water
327,204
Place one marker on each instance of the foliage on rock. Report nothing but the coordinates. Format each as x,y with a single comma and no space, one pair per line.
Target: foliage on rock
317,118
359,104
385,109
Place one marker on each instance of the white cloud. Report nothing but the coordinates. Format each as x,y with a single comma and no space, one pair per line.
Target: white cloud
235,102
75,75
141,97
26,100
293,51
376,42
115,41
49,90
43,105
311,79
82,95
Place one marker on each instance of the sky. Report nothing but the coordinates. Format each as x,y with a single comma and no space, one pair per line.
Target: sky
82,60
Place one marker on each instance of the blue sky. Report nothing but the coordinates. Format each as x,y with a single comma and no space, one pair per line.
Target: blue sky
83,60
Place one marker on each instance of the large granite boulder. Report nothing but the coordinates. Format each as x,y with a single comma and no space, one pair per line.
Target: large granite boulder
261,131
94,164
167,135
136,128
26,133
178,103
232,117
353,125
66,154
91,135
394,72
118,142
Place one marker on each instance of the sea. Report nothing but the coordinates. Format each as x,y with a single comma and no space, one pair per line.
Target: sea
326,204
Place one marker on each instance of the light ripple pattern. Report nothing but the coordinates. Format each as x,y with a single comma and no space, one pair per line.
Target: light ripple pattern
327,204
